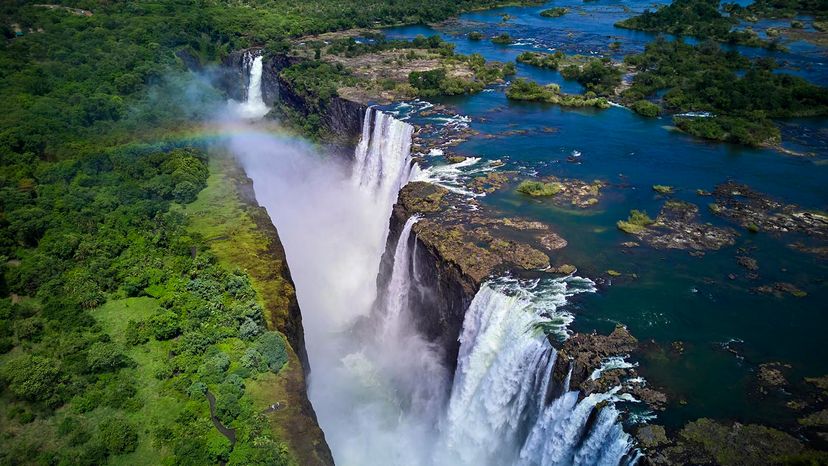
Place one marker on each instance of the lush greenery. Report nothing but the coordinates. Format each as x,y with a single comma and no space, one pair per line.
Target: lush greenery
645,108
741,94
503,39
598,75
522,89
698,18
731,129
542,60
120,319
538,188
637,222
555,12
779,9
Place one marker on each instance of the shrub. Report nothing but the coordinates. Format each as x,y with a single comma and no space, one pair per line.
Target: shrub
554,12
503,39
474,35
165,325
32,377
662,189
645,108
538,189
105,357
118,435
637,222
271,345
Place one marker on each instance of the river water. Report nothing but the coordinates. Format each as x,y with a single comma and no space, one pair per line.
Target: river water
725,329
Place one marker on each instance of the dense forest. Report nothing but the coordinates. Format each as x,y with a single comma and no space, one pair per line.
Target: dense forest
119,326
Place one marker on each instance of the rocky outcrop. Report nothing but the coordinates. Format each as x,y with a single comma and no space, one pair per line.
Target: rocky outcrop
676,227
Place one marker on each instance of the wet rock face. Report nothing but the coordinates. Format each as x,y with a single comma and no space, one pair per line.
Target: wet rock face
478,242
455,251
676,228
584,353
758,212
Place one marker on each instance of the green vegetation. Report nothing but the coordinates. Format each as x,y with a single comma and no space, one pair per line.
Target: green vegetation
637,222
475,35
126,311
555,12
645,108
732,129
598,75
538,188
521,89
349,47
742,94
542,60
698,18
503,39
779,9
662,189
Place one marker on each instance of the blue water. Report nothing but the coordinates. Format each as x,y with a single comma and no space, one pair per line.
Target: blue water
663,296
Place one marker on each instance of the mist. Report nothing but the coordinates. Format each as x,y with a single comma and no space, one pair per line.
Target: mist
377,398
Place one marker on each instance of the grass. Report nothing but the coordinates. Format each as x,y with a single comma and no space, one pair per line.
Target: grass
662,189
230,227
637,222
158,407
538,188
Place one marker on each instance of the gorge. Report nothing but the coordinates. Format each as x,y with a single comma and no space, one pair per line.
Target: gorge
384,392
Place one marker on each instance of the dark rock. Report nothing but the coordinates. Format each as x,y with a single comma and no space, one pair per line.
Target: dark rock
650,436
676,228
778,289
584,353
758,212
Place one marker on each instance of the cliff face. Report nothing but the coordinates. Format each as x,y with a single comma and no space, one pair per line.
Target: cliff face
442,291
296,423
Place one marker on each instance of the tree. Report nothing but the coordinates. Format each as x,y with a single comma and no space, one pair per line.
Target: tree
32,377
118,435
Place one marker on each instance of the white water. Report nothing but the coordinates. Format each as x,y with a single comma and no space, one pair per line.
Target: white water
253,107
380,391
499,412
382,160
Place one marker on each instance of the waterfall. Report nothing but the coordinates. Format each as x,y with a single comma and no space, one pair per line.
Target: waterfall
383,396
396,296
382,159
413,365
253,107
499,411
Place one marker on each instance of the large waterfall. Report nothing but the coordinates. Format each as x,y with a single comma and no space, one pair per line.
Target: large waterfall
380,390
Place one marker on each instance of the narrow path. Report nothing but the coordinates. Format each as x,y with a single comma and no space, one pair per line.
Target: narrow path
226,431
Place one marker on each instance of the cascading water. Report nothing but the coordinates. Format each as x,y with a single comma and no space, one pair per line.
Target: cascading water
382,160
380,390
254,106
499,411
